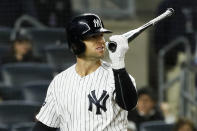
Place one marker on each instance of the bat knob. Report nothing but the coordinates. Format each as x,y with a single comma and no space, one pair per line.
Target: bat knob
171,10
112,46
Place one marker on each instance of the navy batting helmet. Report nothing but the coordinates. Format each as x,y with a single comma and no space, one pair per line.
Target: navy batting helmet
81,27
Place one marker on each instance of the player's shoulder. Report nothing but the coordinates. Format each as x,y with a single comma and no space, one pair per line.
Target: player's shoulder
65,72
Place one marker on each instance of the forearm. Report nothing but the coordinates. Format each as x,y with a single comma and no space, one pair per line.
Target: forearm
125,91
41,127
126,94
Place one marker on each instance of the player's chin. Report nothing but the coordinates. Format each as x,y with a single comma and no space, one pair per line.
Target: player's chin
100,55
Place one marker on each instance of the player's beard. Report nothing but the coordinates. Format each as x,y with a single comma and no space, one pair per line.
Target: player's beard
93,55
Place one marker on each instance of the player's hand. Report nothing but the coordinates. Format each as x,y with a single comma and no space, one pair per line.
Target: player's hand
117,57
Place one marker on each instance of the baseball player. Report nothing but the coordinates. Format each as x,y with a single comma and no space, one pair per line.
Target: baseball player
91,95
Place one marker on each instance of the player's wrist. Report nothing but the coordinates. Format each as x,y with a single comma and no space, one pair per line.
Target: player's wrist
118,63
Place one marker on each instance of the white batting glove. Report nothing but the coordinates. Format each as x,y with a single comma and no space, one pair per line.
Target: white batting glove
117,57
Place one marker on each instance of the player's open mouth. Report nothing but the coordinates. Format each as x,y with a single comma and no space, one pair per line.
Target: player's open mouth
100,48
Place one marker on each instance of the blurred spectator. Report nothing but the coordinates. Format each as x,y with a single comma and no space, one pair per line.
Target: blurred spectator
182,23
54,13
21,51
184,124
10,10
146,109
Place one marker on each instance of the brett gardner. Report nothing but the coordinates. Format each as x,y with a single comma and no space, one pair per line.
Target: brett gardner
91,95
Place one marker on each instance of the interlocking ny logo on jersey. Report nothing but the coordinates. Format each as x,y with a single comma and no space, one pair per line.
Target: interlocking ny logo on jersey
97,23
97,102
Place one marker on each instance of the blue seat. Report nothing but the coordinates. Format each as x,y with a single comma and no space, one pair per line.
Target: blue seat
4,128
21,73
25,126
10,93
59,57
44,37
35,91
5,36
13,112
3,51
156,126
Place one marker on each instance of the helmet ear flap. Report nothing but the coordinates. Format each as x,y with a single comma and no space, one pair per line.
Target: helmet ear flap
78,46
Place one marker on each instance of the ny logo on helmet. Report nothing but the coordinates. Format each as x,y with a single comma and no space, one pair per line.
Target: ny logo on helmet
99,103
97,23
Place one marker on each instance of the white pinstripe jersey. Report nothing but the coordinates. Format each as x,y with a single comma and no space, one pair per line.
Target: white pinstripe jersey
75,103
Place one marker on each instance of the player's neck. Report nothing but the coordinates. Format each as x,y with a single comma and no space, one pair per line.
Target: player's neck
84,68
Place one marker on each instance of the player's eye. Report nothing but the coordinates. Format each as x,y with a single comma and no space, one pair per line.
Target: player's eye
97,36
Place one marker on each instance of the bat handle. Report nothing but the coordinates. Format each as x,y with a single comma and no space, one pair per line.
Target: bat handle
112,45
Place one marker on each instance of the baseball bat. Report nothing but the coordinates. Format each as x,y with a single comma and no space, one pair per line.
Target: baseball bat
132,34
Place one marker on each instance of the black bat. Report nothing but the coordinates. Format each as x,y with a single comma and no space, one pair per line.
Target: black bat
132,34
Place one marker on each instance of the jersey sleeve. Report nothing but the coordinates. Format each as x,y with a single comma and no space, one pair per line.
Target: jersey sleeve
48,113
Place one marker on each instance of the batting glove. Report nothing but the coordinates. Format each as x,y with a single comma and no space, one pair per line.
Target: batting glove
117,57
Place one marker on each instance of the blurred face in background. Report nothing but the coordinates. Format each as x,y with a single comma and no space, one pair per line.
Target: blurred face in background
185,127
22,47
145,104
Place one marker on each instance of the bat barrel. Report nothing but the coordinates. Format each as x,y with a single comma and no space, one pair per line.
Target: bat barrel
134,33
167,13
